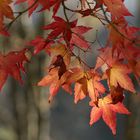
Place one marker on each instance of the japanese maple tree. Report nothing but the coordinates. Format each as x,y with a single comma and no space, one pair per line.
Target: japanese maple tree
117,61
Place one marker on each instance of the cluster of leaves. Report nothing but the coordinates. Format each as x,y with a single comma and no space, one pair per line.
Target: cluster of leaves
116,61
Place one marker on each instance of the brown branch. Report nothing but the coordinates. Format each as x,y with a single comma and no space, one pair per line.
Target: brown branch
115,28
20,14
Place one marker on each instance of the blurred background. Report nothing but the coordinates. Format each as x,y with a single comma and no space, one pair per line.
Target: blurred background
25,113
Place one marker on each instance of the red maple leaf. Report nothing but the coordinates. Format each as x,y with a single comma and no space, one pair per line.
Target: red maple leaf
40,44
11,64
60,26
69,31
77,38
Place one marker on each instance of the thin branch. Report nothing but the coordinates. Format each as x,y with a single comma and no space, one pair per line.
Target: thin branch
20,14
115,28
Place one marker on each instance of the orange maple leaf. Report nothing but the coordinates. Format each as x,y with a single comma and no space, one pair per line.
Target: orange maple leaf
77,76
56,77
117,8
106,58
55,82
60,49
86,84
95,88
5,11
118,74
107,111
80,90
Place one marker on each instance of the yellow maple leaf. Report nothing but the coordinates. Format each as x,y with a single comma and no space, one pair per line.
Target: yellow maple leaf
119,75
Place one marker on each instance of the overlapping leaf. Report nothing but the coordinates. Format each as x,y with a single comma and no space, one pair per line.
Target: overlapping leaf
56,77
60,26
69,31
119,75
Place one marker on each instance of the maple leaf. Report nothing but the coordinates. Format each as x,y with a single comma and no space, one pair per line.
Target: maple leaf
106,58
11,64
51,79
86,83
77,73
95,88
58,74
121,33
5,11
120,26
40,44
107,111
60,49
80,90
77,38
55,81
119,75
77,76
132,55
116,94
58,61
70,32
57,77
117,8
60,26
